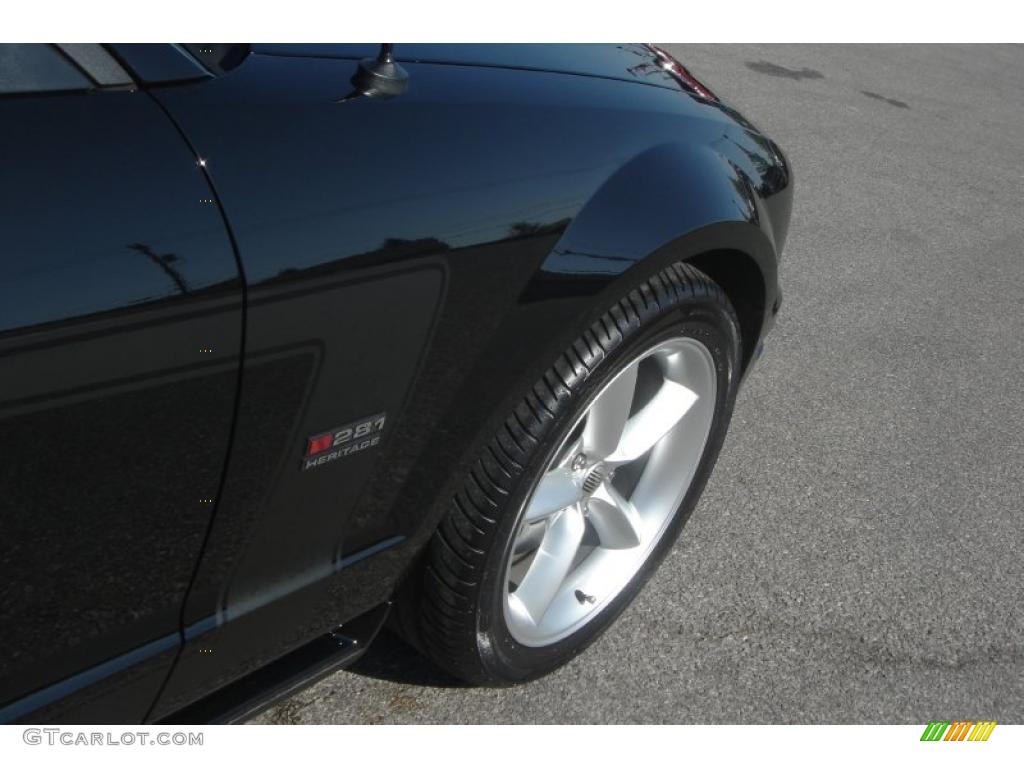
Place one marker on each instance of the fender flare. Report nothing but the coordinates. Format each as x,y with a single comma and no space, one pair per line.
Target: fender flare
672,202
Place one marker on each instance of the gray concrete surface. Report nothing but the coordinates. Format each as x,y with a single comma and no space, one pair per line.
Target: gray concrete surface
857,556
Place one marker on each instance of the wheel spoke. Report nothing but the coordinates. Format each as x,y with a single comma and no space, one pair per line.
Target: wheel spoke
556,491
653,422
583,539
614,518
551,564
608,414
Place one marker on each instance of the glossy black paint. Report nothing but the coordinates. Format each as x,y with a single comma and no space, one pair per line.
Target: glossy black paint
424,255
114,423
631,63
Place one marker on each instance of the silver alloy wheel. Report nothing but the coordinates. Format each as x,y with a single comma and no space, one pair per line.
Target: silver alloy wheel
614,484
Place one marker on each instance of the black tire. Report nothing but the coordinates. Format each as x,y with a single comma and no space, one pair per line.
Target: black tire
458,614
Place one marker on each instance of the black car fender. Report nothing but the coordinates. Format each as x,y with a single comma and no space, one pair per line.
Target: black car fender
674,202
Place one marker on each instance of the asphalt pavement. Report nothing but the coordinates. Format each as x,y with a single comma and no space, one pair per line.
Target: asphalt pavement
858,555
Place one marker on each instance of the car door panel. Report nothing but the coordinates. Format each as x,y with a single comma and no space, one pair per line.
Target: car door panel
120,335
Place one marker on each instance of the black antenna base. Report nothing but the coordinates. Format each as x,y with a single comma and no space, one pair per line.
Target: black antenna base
381,78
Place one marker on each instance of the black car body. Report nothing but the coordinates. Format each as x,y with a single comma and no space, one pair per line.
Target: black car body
218,259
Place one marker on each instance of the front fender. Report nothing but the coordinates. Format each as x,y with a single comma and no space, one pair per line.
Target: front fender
673,198
714,205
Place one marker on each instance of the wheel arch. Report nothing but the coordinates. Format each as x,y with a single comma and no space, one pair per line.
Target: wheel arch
673,202
741,279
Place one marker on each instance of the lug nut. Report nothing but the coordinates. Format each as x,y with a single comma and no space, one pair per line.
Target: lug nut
579,461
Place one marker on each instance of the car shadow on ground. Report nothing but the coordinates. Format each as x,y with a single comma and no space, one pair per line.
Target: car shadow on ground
391,658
